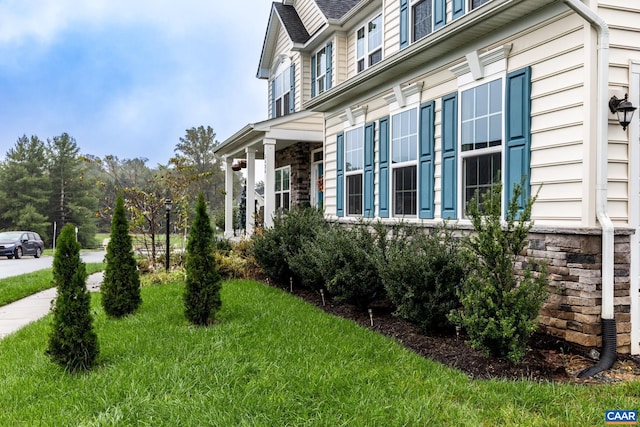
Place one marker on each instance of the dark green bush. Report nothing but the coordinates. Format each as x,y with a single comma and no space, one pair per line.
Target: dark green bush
72,341
121,285
500,309
202,290
422,273
274,248
346,258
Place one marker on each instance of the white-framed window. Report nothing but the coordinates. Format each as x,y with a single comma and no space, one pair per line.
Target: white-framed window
421,19
354,170
481,136
404,163
369,44
321,71
317,178
281,92
477,3
283,188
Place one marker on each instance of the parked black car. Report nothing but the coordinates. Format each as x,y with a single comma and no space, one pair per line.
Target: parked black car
19,243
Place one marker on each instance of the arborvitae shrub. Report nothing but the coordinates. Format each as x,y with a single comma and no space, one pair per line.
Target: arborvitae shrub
422,273
121,284
274,248
500,308
72,341
202,291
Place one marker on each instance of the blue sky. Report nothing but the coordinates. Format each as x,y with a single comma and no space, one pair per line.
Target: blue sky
129,77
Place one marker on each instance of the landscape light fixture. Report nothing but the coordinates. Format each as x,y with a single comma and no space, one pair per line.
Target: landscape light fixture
623,109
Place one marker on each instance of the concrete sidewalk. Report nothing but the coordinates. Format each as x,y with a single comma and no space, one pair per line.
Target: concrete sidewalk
22,312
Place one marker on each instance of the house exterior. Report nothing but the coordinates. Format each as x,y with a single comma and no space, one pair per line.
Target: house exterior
399,110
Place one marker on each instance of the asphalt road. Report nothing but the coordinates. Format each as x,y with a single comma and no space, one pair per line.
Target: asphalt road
27,264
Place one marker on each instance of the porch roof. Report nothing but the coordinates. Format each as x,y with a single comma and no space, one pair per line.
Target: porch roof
304,126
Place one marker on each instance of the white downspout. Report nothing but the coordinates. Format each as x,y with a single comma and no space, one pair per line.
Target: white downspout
602,142
609,335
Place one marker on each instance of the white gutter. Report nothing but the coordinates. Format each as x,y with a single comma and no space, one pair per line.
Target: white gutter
602,142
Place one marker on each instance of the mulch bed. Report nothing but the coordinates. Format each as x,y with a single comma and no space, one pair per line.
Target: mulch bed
548,358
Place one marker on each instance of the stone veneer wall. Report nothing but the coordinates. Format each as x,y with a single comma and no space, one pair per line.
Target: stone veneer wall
298,156
572,310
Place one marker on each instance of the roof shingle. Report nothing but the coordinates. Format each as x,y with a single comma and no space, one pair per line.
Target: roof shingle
336,9
292,23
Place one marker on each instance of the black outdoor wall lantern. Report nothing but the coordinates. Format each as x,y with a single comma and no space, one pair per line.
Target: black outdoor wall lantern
623,109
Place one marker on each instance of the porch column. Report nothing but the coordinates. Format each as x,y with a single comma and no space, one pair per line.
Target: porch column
228,198
269,181
251,190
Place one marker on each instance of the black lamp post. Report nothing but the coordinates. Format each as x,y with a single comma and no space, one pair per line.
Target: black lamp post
167,208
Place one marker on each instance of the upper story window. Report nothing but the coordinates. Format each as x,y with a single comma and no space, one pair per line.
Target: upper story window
321,70
481,138
369,44
282,87
404,162
354,169
282,93
422,18
477,3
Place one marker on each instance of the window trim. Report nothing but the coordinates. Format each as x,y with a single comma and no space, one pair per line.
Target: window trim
501,148
282,72
349,173
282,191
367,52
411,163
320,76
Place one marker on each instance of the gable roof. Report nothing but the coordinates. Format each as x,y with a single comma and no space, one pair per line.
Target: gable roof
336,9
292,23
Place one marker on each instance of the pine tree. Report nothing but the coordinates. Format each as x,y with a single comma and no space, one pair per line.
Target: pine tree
202,293
73,342
121,284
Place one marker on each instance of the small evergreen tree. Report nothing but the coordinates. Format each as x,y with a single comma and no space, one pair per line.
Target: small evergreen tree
73,342
202,293
500,308
121,284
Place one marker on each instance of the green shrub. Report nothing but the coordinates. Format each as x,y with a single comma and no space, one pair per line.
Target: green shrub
500,309
422,273
274,247
72,341
162,277
347,261
121,285
231,265
202,290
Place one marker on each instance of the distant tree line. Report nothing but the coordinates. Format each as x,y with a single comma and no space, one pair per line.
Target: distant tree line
47,183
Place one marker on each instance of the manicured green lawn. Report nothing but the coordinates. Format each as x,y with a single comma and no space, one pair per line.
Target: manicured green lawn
17,287
271,360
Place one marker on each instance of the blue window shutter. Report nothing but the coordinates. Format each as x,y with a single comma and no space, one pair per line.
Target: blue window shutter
518,133
340,175
458,8
292,91
368,186
439,13
273,98
404,23
383,168
329,74
425,171
313,76
450,156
